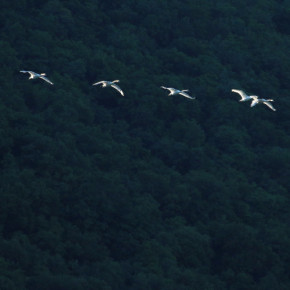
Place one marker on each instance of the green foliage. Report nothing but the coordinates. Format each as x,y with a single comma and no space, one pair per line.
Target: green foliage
144,191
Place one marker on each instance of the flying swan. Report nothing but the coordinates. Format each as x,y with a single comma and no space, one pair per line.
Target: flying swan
34,75
110,84
266,102
176,92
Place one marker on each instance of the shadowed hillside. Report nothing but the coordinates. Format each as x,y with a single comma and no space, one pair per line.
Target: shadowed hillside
144,191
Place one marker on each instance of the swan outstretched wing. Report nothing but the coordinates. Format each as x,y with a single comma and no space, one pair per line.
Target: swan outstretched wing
254,102
171,90
269,105
165,88
46,79
98,83
117,88
32,73
186,95
241,93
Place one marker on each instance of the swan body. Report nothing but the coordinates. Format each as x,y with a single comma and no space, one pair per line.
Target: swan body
176,92
34,75
110,84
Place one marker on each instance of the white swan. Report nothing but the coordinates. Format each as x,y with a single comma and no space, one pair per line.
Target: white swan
34,75
110,84
266,102
244,97
176,92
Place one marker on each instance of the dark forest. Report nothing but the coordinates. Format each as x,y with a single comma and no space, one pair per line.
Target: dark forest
145,191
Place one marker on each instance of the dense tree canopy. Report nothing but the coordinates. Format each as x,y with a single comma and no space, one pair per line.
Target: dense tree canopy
144,191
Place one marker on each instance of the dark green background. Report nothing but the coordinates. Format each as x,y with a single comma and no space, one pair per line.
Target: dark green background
146,191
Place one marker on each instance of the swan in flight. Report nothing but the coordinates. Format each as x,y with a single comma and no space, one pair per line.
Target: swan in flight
176,92
244,97
266,102
34,75
110,84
